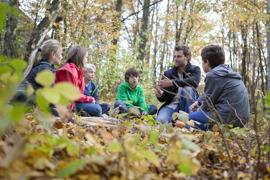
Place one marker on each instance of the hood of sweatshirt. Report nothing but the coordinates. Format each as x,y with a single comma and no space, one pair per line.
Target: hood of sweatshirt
224,70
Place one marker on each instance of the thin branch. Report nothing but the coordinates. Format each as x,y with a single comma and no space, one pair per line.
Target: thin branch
139,11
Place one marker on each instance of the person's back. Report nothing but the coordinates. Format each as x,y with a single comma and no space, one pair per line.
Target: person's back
229,95
225,97
43,58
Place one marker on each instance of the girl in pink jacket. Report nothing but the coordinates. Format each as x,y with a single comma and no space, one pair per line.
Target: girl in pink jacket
72,72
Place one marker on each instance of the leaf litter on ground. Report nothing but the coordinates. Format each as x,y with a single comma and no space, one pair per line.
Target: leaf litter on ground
126,148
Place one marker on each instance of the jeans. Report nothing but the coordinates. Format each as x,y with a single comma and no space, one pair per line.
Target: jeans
165,113
198,116
124,109
93,109
187,97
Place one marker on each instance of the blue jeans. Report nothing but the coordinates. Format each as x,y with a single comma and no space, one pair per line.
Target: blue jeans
93,109
165,113
201,118
124,109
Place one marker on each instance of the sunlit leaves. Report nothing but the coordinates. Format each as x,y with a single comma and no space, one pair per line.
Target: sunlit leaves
181,115
185,169
4,10
115,147
45,78
68,90
71,168
63,93
267,99
149,155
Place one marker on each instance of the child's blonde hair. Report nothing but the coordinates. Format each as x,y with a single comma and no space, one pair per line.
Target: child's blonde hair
48,47
89,66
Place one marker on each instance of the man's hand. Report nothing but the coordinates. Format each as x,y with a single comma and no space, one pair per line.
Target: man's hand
195,106
144,113
138,115
158,92
166,82
94,101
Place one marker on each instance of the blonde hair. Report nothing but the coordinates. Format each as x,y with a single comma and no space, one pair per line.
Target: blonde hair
48,47
89,66
76,55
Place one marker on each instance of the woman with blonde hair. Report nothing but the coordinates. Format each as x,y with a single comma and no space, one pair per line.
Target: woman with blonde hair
42,58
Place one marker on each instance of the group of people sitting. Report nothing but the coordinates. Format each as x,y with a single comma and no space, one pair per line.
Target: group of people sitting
225,97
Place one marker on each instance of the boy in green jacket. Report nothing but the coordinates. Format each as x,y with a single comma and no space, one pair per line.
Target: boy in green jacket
130,94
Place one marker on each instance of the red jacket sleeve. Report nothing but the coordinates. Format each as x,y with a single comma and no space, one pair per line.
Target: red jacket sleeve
65,76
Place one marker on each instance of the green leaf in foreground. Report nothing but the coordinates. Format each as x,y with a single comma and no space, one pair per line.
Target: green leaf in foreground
150,156
189,145
45,78
71,168
267,99
185,169
68,90
153,137
115,147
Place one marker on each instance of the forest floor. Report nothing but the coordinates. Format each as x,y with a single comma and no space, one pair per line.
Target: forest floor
127,148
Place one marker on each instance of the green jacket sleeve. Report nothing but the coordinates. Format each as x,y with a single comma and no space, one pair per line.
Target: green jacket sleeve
142,102
122,95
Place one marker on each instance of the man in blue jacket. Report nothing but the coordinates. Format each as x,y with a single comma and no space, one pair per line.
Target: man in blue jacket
177,88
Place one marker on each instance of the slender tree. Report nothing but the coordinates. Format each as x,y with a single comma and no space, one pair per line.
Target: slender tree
9,35
268,59
143,36
43,28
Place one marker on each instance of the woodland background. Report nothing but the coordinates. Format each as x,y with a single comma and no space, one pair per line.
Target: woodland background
120,34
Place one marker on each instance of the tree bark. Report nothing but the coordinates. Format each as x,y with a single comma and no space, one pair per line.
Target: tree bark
155,45
180,29
143,33
268,59
116,24
9,35
244,52
164,42
42,29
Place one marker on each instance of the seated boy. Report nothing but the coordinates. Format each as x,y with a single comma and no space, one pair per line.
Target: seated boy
225,97
91,89
130,94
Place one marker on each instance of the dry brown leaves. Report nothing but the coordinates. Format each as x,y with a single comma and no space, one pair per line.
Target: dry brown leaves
107,148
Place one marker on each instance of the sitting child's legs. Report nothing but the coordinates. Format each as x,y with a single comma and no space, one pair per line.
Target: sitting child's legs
202,120
165,115
105,107
123,108
90,108
152,109
187,97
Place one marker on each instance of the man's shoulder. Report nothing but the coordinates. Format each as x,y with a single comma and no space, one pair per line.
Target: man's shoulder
169,71
192,66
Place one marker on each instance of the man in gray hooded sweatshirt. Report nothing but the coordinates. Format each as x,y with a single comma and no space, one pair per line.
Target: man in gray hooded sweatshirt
225,97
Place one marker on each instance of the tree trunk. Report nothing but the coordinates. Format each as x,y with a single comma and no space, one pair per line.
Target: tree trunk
180,29
143,33
42,29
244,52
9,35
116,24
155,46
268,59
164,42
